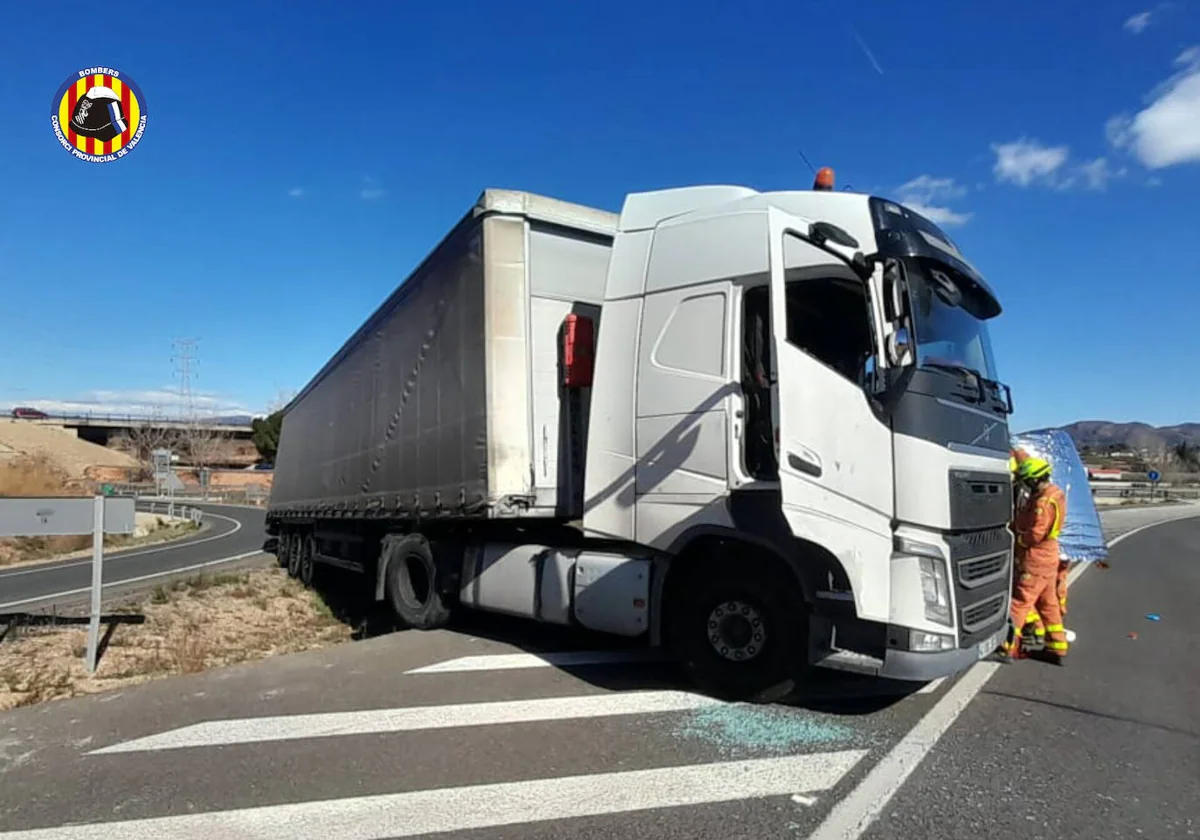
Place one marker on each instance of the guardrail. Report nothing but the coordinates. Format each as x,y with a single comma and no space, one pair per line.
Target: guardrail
1145,491
252,496
169,508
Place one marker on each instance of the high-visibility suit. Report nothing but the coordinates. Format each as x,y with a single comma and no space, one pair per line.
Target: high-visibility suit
1036,587
1032,628
1035,629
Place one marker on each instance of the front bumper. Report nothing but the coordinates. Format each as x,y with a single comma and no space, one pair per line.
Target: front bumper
925,667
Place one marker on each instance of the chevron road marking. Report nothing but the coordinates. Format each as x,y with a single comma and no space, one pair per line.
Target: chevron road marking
412,719
565,659
484,806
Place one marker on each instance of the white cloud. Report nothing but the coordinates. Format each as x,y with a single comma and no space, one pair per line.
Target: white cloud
1024,162
1093,175
1138,22
928,196
1027,163
1167,131
296,192
371,190
164,402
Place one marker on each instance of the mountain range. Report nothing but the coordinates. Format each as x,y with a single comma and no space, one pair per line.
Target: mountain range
1102,434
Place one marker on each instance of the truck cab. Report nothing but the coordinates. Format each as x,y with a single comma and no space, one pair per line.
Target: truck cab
796,407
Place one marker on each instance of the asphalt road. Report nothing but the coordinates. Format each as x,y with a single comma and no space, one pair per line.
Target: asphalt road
479,733
1107,746
230,532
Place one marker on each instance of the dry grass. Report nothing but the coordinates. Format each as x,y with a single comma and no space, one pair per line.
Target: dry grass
205,622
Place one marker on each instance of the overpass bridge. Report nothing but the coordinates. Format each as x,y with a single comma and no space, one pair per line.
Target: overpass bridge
117,422
109,429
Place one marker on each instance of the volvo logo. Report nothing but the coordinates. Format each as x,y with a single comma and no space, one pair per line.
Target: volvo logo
986,434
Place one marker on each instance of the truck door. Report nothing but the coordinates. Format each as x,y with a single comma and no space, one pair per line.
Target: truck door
835,454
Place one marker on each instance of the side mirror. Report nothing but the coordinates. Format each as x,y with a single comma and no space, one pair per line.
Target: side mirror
822,232
946,289
893,290
899,347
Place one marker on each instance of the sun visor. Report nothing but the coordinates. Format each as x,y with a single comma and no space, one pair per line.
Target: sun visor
1082,538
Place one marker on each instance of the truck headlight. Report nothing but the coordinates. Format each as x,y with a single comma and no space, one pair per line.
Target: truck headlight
935,588
923,642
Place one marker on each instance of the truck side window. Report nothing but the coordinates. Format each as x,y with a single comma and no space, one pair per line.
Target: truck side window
828,319
759,448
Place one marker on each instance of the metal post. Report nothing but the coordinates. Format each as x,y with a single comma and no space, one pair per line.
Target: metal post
93,642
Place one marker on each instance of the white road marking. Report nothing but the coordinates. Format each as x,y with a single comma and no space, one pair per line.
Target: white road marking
931,687
855,813
565,659
484,806
111,583
413,719
121,555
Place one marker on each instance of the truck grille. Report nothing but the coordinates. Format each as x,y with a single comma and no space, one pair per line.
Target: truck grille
983,612
977,571
979,499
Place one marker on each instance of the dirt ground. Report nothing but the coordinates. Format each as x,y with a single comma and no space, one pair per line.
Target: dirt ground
202,623
62,447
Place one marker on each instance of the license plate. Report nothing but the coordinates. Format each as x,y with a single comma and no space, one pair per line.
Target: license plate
989,645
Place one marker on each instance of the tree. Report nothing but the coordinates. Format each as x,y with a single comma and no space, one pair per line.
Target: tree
1188,455
203,444
153,433
266,434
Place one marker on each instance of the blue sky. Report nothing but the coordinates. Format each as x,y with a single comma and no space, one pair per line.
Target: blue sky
296,166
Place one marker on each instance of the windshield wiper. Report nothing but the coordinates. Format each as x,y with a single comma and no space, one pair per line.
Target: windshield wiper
980,379
957,368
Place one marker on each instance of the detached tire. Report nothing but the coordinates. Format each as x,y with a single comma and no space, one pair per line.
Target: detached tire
740,635
411,583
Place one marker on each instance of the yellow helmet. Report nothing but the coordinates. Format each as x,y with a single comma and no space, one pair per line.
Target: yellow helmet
1033,469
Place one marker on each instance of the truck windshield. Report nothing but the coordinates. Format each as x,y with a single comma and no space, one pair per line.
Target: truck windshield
948,335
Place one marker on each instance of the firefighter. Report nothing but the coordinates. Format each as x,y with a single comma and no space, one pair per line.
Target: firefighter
1037,527
1032,629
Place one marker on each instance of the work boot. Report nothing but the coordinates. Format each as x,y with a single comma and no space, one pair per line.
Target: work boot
1003,656
1049,658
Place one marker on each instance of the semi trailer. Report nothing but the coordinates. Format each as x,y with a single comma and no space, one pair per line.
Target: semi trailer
762,430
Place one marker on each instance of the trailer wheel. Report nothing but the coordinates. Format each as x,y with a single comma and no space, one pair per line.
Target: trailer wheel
282,547
411,583
295,546
740,635
307,559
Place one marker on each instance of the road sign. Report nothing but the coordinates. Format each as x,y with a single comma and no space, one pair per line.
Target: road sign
52,517
1154,476
161,459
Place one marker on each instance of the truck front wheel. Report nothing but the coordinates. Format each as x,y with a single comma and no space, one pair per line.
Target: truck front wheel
740,634
411,582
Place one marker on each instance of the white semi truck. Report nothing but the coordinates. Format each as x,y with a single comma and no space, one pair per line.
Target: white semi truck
764,430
